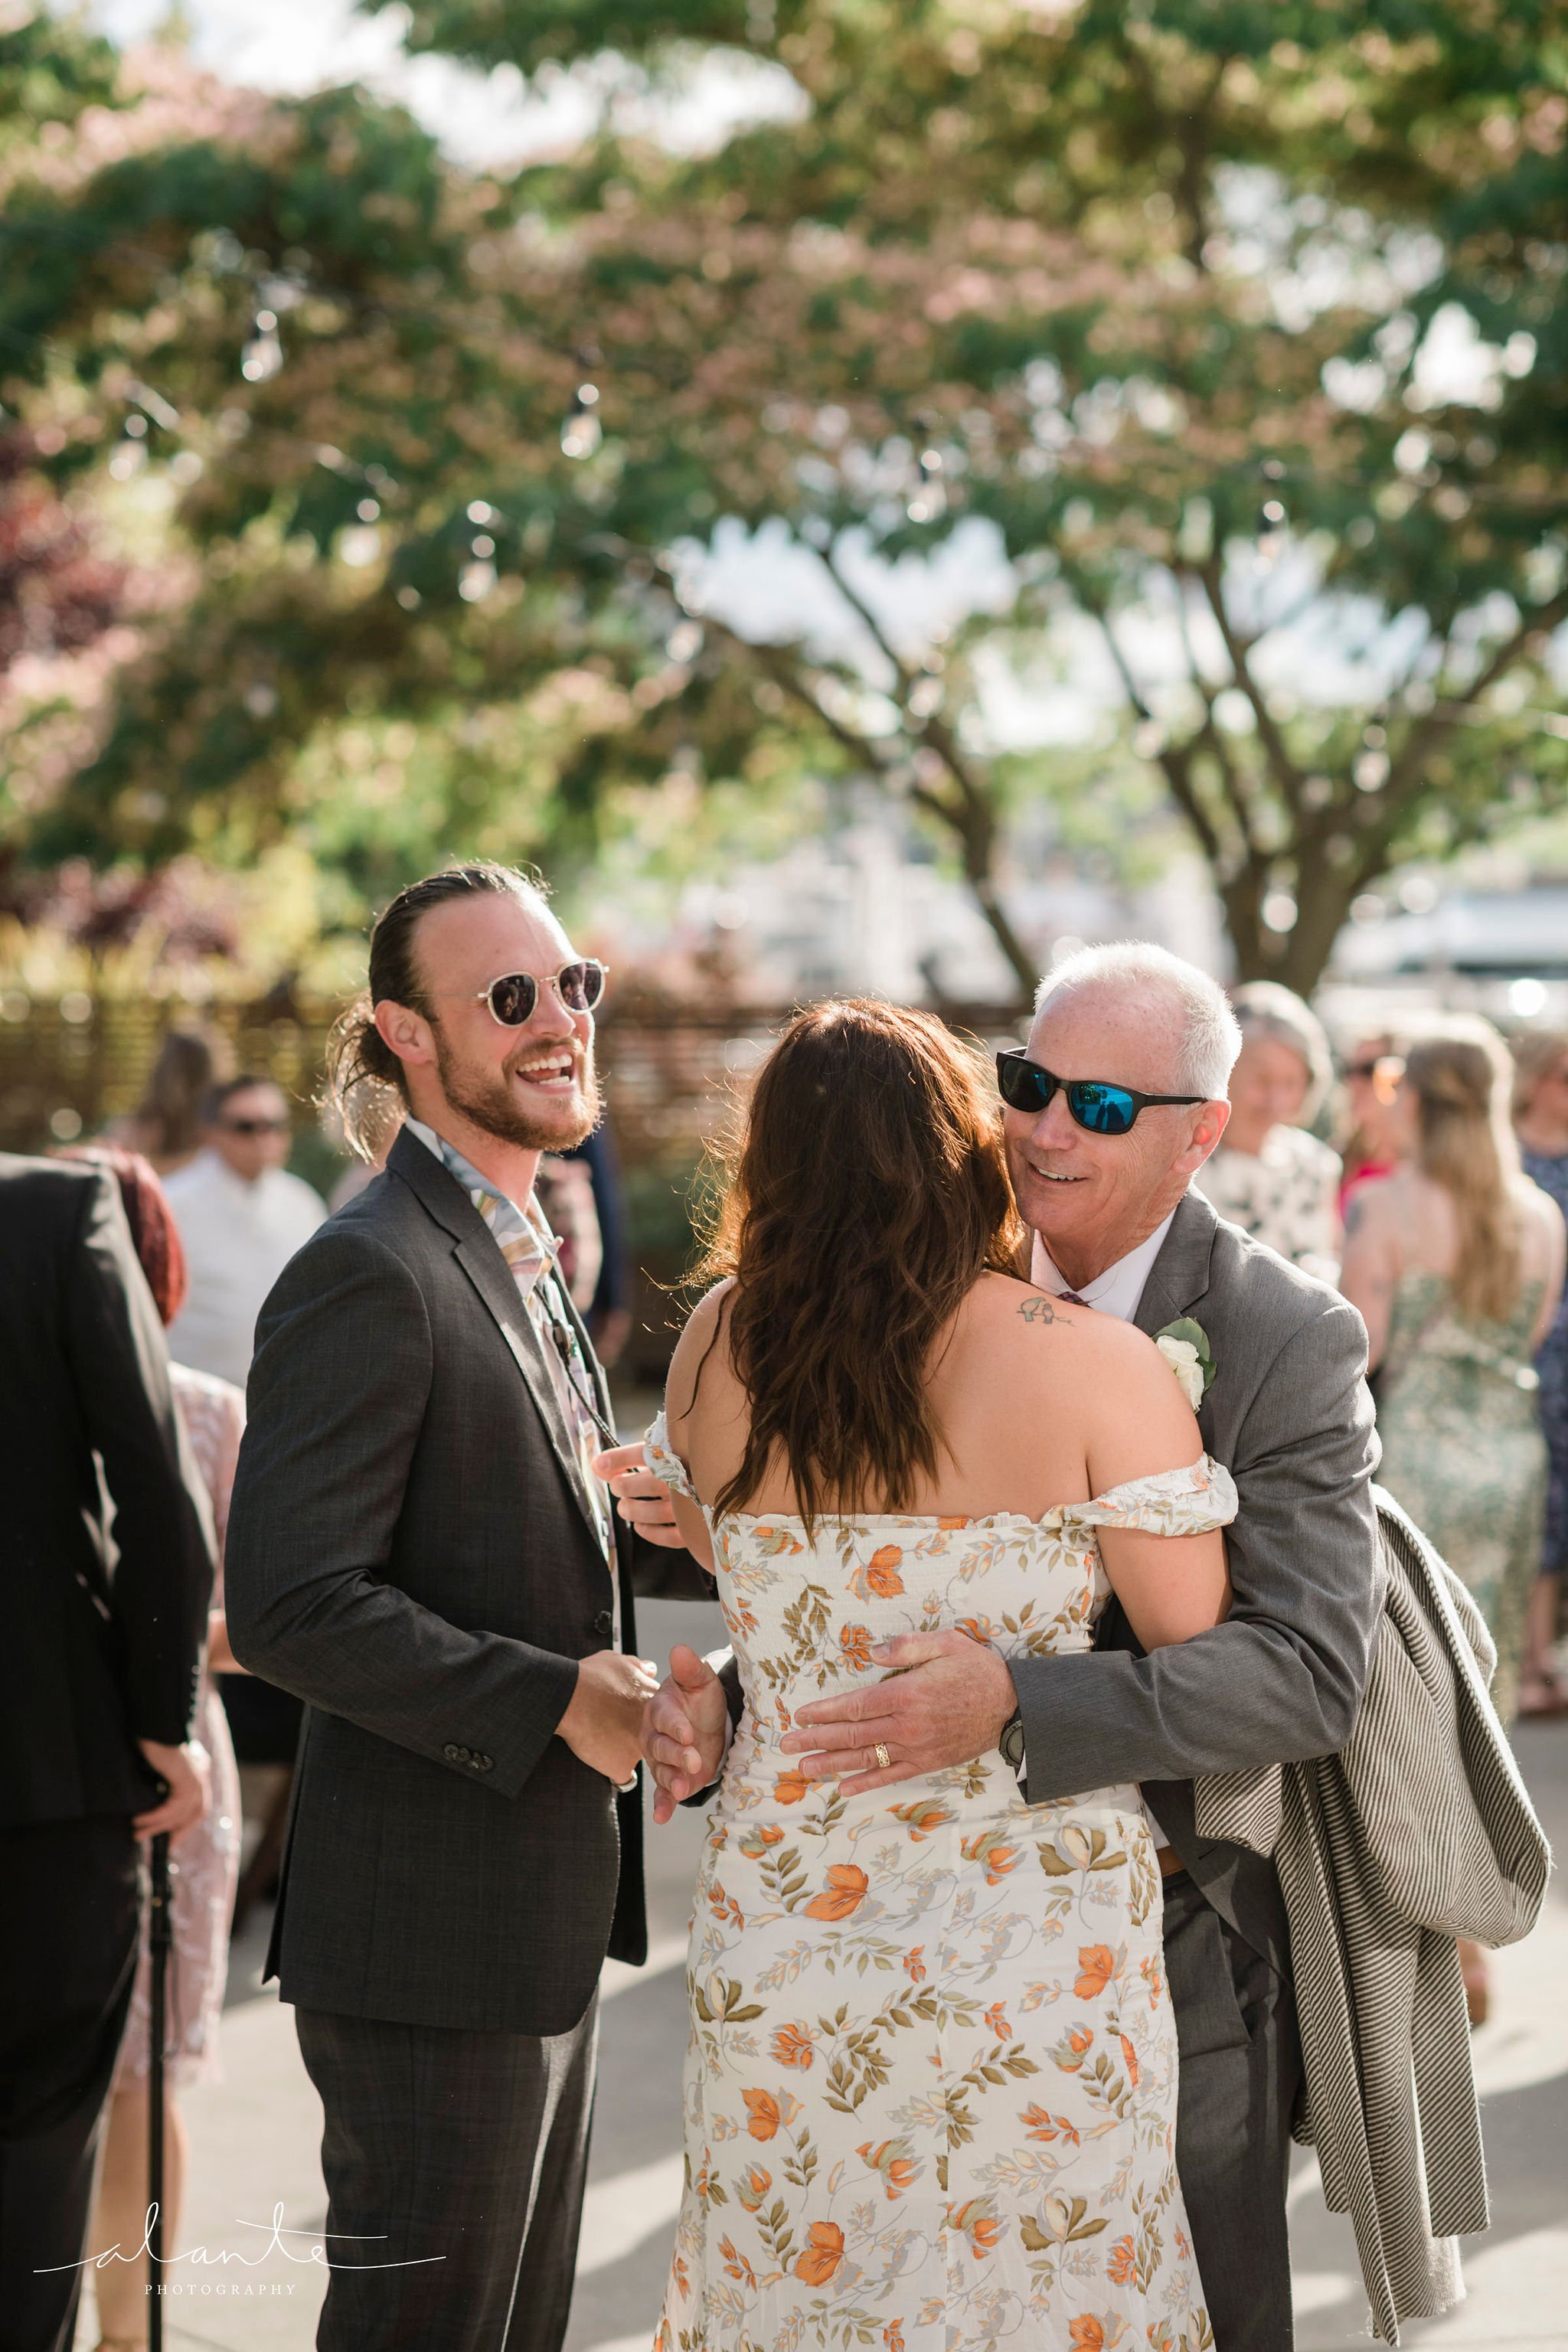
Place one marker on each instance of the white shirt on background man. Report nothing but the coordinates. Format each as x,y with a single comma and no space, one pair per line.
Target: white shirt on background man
239,1237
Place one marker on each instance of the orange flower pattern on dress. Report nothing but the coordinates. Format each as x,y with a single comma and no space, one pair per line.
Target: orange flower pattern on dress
881,1574
793,2046
854,1644
1096,1966
931,2075
892,2159
843,1894
824,2253
764,2114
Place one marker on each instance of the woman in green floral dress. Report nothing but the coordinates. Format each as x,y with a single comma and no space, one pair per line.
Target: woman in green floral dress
1456,1264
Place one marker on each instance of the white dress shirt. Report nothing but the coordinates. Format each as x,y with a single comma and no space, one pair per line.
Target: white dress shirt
1117,1291
238,1238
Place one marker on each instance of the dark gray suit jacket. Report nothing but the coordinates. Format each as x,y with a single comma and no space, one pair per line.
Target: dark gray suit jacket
1290,1415
409,1552
103,1612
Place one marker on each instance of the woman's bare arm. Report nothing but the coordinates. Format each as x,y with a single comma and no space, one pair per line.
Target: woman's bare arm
1551,1217
699,1384
1369,1274
1172,1587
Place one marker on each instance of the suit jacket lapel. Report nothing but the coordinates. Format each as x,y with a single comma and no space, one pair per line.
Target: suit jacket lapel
1179,1277
477,1252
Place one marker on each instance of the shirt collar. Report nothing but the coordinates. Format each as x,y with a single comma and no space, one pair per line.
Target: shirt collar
508,1219
1117,1291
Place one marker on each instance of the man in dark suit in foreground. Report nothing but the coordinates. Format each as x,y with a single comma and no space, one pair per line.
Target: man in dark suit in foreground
418,1548
100,1637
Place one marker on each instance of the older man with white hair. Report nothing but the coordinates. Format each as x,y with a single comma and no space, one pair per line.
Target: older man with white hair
1113,1106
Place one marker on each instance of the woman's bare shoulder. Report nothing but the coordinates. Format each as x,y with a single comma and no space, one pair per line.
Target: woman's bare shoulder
1023,1318
700,1359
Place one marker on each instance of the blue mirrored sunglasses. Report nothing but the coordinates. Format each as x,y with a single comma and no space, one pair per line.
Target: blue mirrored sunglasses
1099,1108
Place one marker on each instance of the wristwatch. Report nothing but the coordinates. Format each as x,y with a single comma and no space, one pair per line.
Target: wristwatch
1012,1741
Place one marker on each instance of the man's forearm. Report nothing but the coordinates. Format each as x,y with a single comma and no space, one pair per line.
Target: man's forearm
354,1646
1236,1698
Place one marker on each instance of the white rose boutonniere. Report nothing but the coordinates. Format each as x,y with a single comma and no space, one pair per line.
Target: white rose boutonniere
1186,1347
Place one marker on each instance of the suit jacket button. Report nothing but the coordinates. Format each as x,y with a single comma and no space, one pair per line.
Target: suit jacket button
605,1623
453,1755
483,1763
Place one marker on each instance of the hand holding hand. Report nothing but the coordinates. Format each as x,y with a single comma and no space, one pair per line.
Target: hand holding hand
642,1500
602,1722
683,1730
186,1772
946,1700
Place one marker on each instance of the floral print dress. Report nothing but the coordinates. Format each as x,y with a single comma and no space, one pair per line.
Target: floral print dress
1459,1414
929,2097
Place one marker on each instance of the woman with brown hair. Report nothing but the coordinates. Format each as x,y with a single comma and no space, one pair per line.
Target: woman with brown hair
1455,1262
931,2076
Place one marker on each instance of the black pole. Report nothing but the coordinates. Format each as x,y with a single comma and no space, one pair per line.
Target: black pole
159,1937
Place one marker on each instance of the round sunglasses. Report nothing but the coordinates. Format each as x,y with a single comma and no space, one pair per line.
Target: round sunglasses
1099,1108
512,997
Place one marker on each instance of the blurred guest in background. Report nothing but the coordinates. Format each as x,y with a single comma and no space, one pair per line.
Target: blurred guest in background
205,1860
241,1217
1374,1068
1540,1123
564,1191
100,1638
165,1127
1269,1176
608,1313
1455,1262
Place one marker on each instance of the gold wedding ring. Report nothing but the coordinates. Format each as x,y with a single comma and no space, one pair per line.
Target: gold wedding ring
882,1757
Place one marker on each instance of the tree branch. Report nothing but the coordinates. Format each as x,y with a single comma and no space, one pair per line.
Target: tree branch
1287,775
1435,726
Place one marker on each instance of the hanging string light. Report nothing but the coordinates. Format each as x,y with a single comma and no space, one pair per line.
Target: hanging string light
929,500
263,356
580,433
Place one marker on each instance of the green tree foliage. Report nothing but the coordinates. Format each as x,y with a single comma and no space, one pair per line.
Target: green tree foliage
1241,327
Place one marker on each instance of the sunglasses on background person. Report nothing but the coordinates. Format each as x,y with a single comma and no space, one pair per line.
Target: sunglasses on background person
255,1126
1098,1108
512,997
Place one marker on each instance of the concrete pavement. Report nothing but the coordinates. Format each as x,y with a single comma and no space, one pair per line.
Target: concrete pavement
254,2141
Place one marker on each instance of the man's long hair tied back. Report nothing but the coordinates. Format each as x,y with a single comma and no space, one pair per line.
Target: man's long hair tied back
869,1194
364,1082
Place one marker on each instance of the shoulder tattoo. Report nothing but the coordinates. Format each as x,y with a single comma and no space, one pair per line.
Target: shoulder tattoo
1042,1310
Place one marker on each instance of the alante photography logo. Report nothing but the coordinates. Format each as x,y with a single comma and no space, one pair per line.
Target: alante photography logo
273,2240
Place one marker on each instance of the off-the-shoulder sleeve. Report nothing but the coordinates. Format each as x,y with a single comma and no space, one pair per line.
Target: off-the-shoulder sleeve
1169,1503
664,1462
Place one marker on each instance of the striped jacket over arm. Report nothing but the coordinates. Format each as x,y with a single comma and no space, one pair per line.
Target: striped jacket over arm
1418,1831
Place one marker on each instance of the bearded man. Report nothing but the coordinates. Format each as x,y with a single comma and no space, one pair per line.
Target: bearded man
420,1548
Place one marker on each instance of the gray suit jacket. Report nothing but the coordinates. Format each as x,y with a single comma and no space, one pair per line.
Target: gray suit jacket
1290,1415
409,1552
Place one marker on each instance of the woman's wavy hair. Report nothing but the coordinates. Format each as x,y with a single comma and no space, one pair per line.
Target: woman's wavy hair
868,1195
365,1084
1460,1075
